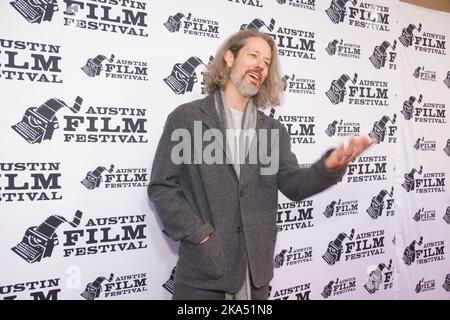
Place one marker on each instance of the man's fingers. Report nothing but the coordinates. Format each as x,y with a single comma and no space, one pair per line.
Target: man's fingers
340,152
350,148
371,140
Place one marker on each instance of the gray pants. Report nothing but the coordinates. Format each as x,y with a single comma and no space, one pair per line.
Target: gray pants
183,292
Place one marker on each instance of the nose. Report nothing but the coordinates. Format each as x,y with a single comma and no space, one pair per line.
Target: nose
260,65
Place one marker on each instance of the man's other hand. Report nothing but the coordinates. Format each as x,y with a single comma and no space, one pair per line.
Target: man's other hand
340,157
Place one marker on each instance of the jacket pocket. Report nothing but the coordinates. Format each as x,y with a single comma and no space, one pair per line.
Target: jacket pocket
203,261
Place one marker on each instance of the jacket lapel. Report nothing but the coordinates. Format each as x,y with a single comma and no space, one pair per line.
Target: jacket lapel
211,120
249,169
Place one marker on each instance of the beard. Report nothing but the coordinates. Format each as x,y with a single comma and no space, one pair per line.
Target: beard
246,90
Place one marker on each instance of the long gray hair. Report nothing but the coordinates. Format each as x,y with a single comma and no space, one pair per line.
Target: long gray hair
217,73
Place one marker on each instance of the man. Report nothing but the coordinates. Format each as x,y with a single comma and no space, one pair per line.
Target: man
224,214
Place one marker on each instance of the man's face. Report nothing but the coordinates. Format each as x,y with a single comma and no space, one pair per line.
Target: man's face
250,67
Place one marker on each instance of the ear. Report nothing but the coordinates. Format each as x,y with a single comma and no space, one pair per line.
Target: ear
229,58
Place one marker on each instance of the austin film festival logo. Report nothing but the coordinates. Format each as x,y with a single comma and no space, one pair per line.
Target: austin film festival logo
335,247
386,125
295,215
300,128
362,15
447,80
425,145
367,168
343,129
98,124
251,3
426,113
116,178
422,42
338,287
298,85
364,92
187,24
447,148
424,182
446,284
30,181
341,208
183,76
380,278
45,289
301,4
344,49
123,17
94,288
36,11
115,234
290,42
422,74
446,216
169,285
381,55
39,123
115,286
356,247
119,69
297,292
338,88
30,61
420,253
291,256
425,285
39,241
117,16
383,200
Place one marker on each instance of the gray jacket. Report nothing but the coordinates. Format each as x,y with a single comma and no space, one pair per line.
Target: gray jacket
197,200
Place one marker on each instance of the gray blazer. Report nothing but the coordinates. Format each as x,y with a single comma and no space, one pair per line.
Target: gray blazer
197,200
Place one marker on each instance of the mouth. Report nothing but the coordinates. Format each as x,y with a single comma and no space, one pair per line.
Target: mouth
255,77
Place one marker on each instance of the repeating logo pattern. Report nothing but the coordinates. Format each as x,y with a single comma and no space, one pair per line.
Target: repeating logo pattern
335,247
39,241
293,256
341,208
360,14
380,55
378,132
296,292
338,89
339,286
30,181
187,24
36,11
302,4
42,64
183,76
39,123
428,42
94,178
94,288
381,274
344,49
377,205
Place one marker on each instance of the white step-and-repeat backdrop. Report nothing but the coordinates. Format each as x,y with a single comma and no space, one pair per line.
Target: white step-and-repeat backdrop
86,86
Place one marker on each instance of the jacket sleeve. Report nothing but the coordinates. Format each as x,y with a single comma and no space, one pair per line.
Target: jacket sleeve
299,183
177,215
